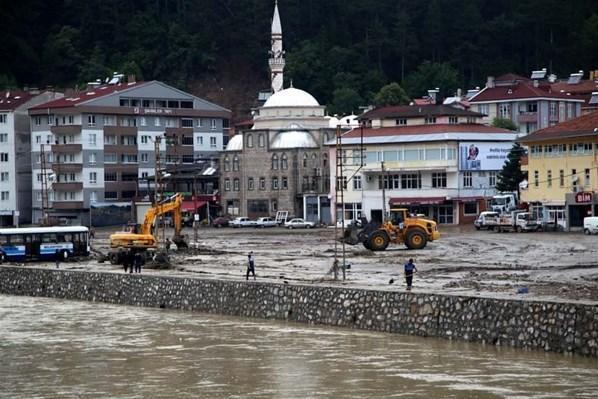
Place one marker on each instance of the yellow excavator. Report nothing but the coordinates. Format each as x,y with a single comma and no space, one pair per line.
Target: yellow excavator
141,237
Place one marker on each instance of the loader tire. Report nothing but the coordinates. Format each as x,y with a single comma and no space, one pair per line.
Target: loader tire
416,239
378,241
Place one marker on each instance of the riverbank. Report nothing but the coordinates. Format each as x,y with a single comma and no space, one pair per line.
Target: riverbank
542,325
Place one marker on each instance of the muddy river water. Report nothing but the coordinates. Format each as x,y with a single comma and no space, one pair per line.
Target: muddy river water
66,349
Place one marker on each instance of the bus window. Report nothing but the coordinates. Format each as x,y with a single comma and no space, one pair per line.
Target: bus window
3,240
17,239
66,238
48,238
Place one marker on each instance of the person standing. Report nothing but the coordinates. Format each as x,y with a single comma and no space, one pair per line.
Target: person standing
57,256
410,270
138,260
250,266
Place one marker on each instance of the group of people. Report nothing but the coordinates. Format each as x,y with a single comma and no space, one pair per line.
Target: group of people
132,261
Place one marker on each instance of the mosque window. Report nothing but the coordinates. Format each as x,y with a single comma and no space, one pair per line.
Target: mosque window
314,160
305,160
249,140
325,160
274,162
236,163
226,164
260,140
284,164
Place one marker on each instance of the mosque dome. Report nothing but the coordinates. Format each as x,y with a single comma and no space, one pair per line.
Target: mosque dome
293,139
291,97
235,143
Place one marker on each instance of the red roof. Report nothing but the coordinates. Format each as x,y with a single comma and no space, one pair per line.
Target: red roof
410,111
425,129
12,99
519,90
192,205
87,95
511,77
585,125
583,87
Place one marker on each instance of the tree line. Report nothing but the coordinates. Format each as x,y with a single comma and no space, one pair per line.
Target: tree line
342,52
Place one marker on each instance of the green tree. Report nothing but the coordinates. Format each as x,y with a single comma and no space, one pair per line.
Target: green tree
7,82
504,124
391,94
511,175
430,75
345,101
94,67
61,55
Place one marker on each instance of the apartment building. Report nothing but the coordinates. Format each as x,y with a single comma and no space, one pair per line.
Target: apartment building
99,146
562,166
445,171
15,153
530,103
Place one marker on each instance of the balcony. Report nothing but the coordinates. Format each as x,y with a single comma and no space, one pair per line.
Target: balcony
68,186
121,149
67,205
67,167
527,117
66,148
66,129
120,130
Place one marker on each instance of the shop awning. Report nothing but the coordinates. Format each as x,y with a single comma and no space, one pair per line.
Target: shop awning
417,200
190,205
469,199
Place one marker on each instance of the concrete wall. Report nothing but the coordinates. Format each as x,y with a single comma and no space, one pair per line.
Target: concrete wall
559,327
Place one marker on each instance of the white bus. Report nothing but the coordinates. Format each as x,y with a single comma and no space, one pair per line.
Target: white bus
43,243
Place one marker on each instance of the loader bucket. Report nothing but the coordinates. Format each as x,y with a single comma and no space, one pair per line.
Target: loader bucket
351,235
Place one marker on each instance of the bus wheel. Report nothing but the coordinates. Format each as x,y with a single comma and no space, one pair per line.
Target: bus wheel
2,257
64,255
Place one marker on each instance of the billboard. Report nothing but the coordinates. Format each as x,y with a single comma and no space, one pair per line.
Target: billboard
483,156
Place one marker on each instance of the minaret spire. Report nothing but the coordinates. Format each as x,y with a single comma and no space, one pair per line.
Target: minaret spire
276,60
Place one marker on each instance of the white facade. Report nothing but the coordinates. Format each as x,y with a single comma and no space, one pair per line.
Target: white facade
8,160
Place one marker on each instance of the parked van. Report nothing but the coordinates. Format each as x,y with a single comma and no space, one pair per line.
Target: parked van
590,225
486,220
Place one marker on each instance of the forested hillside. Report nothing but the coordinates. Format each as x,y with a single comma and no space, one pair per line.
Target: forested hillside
342,51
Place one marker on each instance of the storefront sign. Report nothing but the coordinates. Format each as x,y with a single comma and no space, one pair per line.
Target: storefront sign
583,198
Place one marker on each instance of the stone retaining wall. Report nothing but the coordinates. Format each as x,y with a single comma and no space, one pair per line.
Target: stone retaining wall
559,327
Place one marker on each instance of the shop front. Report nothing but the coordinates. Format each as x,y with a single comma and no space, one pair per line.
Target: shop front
579,206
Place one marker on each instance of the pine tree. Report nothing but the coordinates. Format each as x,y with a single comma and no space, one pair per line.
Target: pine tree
511,175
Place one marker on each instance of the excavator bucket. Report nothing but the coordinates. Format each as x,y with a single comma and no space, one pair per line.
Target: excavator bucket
351,235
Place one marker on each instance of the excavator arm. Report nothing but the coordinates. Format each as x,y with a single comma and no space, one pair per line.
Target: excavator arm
172,204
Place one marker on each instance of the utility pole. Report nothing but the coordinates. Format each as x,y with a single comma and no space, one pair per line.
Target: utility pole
339,192
384,183
44,182
158,190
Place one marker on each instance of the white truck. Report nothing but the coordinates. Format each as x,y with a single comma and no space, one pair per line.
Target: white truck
518,221
504,202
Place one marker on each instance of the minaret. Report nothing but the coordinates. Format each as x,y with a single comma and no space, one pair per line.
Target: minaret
276,60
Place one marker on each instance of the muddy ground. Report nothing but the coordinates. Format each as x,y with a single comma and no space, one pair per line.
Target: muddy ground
551,266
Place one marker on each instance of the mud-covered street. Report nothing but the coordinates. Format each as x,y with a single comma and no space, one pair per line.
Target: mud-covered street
464,261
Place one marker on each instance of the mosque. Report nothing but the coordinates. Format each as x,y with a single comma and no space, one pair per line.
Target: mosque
281,163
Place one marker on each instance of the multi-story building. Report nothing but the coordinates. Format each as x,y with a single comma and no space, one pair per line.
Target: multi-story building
445,171
562,166
100,145
530,103
410,115
15,154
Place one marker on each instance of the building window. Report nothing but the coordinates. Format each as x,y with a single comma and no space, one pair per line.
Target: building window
3,137
110,195
250,185
586,180
453,119
574,179
439,180
3,156
261,142
5,195
226,184
186,122
357,183
274,162
275,183
536,179
110,176
187,140
411,180
2,118
144,157
491,179
470,208
213,124
236,185
93,177
504,111
249,141
549,178
212,142
226,164
401,122
199,140
554,108
467,179
483,109
91,120
285,183
198,122
262,183
284,165
274,205
305,160
4,176
37,120
562,178
92,158
145,139
235,163
92,139
341,182
430,120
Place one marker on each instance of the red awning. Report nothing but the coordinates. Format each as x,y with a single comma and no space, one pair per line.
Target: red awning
417,200
469,199
190,205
